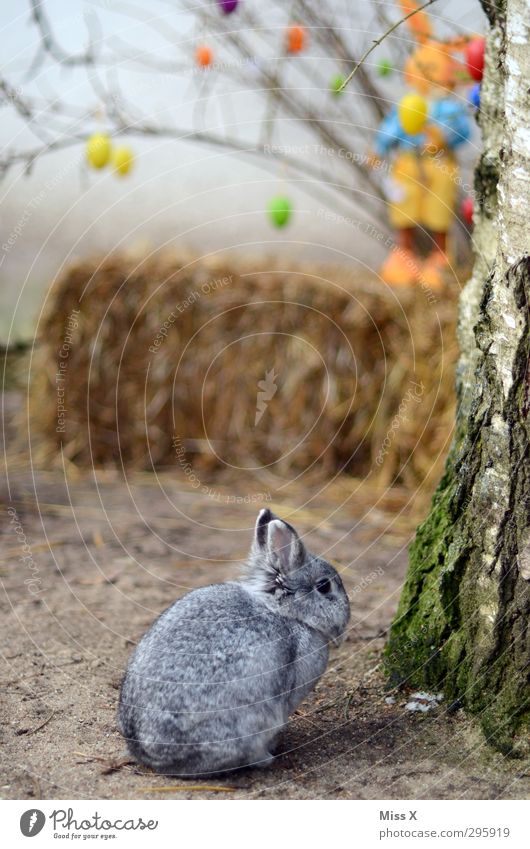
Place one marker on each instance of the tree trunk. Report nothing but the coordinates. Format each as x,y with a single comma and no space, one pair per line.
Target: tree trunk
462,622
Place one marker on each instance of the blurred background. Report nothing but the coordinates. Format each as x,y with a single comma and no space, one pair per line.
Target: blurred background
144,83
194,222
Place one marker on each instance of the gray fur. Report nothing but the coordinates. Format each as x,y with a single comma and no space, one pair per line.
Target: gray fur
214,680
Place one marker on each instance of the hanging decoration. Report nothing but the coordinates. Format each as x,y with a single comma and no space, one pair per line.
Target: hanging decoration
296,38
474,96
384,67
418,138
122,160
228,6
204,56
474,54
466,210
413,111
280,210
336,84
98,150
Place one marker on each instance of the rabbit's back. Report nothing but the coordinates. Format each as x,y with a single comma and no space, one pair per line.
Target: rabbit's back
213,681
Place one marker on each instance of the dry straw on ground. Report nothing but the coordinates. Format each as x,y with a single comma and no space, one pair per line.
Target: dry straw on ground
169,360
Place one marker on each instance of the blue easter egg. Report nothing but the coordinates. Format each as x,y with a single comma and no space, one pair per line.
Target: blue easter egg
474,96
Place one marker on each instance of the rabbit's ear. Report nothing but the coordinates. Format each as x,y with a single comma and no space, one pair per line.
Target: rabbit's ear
277,552
260,535
285,546
277,543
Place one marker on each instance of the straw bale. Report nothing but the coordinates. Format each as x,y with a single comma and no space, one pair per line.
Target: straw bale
166,356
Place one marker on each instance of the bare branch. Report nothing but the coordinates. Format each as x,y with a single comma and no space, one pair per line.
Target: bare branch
378,41
49,43
332,126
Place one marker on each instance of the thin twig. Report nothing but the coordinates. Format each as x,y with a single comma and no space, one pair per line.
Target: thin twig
38,728
110,765
378,41
50,45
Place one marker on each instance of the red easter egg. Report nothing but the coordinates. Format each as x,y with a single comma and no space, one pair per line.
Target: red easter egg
466,210
475,58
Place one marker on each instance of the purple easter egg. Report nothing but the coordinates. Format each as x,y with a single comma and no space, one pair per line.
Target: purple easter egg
228,6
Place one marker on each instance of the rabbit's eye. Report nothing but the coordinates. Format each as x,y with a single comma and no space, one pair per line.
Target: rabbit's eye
324,586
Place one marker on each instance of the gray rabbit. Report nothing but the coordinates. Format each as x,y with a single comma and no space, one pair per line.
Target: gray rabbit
214,680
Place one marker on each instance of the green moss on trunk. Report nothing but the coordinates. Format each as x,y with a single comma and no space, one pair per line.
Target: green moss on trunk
462,623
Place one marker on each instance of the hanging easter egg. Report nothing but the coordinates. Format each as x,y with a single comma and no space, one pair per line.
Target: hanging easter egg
296,38
98,150
466,210
412,113
474,54
204,56
474,96
336,84
280,210
122,160
228,6
384,67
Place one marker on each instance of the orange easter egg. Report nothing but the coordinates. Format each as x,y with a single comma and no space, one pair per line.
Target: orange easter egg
296,38
204,55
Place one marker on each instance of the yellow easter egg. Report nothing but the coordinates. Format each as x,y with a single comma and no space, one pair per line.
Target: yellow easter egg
122,159
412,113
98,150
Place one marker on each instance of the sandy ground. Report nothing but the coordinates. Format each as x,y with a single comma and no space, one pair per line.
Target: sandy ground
106,555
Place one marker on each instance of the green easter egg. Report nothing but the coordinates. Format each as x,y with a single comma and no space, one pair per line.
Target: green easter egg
280,210
336,85
384,67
